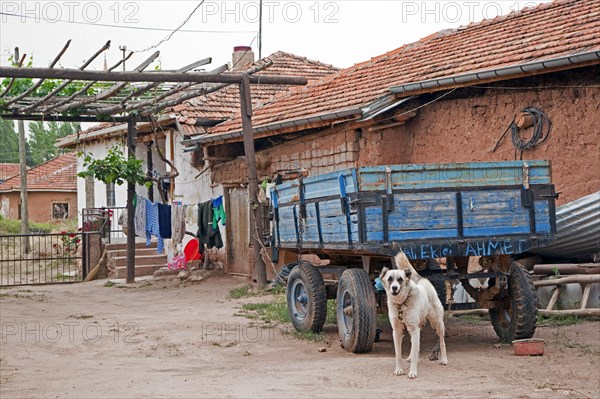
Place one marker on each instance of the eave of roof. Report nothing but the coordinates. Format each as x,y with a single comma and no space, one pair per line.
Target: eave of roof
491,75
107,133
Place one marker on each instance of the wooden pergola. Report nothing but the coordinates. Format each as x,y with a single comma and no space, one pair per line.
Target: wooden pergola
130,96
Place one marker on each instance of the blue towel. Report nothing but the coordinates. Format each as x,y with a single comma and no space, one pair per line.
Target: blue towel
152,226
164,220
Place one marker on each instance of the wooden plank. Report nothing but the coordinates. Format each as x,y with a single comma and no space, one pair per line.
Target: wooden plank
574,279
570,312
585,296
101,76
453,175
554,297
568,269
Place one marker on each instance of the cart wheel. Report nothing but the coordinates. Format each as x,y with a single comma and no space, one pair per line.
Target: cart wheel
518,319
356,311
306,298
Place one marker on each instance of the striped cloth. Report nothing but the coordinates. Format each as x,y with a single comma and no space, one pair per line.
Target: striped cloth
140,217
152,226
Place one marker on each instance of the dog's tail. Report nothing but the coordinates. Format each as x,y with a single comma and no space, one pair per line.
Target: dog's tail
402,262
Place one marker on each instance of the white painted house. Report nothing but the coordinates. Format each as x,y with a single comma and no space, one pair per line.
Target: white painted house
194,184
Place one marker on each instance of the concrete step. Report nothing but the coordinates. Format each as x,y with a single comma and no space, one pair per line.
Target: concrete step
140,270
114,253
143,260
119,246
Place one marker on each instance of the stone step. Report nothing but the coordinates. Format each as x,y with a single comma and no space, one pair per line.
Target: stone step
140,270
144,260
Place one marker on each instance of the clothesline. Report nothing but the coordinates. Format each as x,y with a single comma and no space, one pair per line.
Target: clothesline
168,221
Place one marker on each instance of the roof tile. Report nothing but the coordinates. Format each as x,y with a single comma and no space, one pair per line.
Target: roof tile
546,31
58,174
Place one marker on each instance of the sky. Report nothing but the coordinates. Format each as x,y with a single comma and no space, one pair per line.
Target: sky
341,33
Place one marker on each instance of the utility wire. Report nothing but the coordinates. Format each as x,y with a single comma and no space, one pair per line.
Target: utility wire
168,37
419,107
124,26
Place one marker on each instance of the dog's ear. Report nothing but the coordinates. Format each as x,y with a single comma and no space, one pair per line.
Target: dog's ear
408,272
383,272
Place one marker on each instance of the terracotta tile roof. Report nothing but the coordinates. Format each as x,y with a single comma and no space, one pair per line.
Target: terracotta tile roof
7,170
58,174
547,31
224,103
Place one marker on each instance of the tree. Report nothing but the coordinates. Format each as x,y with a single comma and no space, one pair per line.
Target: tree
114,168
10,142
43,137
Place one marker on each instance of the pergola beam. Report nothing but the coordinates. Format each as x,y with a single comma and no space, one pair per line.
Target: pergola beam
102,76
61,118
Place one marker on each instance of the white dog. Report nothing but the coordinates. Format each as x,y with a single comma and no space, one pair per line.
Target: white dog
411,301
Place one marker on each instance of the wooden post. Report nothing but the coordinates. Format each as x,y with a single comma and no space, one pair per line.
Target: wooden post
23,172
131,138
246,103
150,167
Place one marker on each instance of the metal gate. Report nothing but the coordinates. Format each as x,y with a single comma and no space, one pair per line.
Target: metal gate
51,259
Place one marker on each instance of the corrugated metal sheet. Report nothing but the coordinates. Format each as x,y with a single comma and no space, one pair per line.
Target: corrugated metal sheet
577,228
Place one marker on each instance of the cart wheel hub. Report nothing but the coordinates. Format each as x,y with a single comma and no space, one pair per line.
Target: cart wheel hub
348,311
302,299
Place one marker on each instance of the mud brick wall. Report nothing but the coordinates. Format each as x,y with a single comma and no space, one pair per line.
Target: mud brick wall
466,128
317,153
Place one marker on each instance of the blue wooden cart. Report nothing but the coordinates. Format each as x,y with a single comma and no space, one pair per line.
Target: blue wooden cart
356,219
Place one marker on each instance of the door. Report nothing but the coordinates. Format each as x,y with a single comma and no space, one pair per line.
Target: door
239,254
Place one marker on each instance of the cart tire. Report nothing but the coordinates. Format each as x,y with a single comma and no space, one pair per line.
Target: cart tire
518,320
306,298
356,311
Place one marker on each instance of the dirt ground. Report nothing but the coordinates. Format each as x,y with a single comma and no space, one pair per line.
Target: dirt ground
162,340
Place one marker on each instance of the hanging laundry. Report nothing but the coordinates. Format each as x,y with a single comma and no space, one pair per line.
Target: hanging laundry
206,233
152,227
164,220
177,223
191,214
218,212
139,217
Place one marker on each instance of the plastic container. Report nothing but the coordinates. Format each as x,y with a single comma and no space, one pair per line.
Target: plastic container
529,347
191,250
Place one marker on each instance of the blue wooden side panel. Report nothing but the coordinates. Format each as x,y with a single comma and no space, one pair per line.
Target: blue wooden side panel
453,175
288,192
542,217
423,216
415,216
287,228
319,186
494,213
374,223
333,223
310,225
328,184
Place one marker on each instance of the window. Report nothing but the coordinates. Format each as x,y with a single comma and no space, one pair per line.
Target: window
60,210
110,195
